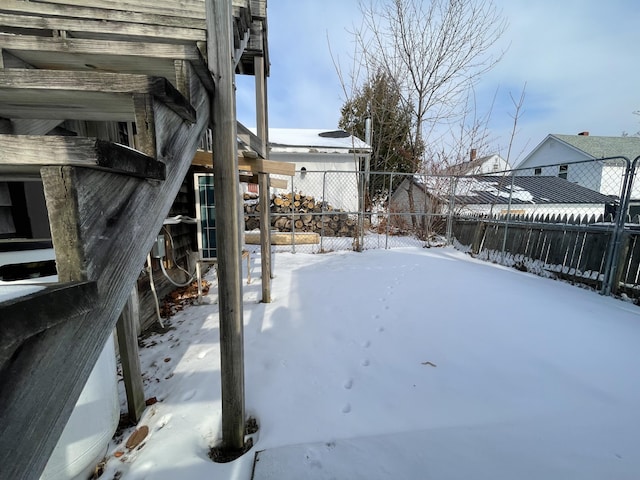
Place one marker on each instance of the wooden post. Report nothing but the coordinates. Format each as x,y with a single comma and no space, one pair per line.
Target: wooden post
145,124
225,171
265,236
129,359
263,178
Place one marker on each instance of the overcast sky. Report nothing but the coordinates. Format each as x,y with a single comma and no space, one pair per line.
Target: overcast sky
579,59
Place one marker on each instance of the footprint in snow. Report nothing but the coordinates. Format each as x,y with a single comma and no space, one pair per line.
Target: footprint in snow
188,395
366,344
380,329
348,384
365,362
346,408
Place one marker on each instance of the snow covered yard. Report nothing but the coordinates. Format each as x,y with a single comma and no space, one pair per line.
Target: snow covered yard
443,366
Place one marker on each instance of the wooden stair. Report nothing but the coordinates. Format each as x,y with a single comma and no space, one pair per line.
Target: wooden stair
101,61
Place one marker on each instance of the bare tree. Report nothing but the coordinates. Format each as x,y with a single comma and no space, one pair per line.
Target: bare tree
435,51
518,112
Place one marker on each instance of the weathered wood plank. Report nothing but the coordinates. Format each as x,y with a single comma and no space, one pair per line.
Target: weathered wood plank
176,8
145,58
24,317
259,8
26,154
104,29
103,225
96,13
204,159
259,165
284,238
251,139
26,93
273,182
224,126
129,359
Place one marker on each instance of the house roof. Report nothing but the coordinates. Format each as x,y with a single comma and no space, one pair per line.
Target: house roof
529,190
465,167
602,147
320,139
537,190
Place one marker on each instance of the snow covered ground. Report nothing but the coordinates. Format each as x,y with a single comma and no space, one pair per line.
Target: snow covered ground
472,370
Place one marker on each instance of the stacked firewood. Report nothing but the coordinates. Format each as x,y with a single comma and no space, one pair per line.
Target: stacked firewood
301,213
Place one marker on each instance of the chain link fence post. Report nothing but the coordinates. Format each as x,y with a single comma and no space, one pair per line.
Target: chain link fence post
388,222
507,219
613,261
452,199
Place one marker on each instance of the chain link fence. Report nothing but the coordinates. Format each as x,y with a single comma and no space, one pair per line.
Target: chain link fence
574,221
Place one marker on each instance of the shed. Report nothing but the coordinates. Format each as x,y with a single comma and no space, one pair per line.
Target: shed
327,162
490,194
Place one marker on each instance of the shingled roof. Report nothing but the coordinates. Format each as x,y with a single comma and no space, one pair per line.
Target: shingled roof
537,190
603,147
527,190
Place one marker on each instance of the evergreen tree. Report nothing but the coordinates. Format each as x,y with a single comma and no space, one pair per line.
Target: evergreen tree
380,100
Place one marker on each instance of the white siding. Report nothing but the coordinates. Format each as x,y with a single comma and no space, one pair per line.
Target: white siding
338,187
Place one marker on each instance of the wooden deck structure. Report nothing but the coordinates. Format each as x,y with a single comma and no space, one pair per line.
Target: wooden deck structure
144,65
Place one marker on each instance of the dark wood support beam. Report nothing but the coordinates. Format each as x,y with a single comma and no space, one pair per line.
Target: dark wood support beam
26,154
29,93
24,317
129,357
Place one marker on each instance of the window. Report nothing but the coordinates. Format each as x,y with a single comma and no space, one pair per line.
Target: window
537,171
563,170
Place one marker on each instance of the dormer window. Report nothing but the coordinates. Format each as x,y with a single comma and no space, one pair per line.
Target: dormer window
563,170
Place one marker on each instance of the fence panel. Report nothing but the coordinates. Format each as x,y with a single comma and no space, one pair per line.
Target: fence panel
563,220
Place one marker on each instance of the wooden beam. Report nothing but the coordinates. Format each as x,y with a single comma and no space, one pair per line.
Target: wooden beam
146,58
24,317
103,28
251,165
285,238
224,126
264,189
185,8
129,359
95,13
259,165
251,140
28,93
103,226
26,154
273,182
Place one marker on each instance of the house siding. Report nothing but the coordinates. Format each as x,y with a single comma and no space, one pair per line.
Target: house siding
338,187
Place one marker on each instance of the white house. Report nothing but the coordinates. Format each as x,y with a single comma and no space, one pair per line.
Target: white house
326,163
573,157
486,165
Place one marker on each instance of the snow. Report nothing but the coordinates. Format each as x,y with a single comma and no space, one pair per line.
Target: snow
16,289
403,363
295,138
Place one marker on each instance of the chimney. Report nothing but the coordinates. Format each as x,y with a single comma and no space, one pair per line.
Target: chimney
584,134
472,155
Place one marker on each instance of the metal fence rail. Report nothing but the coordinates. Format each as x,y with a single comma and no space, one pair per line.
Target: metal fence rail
578,221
